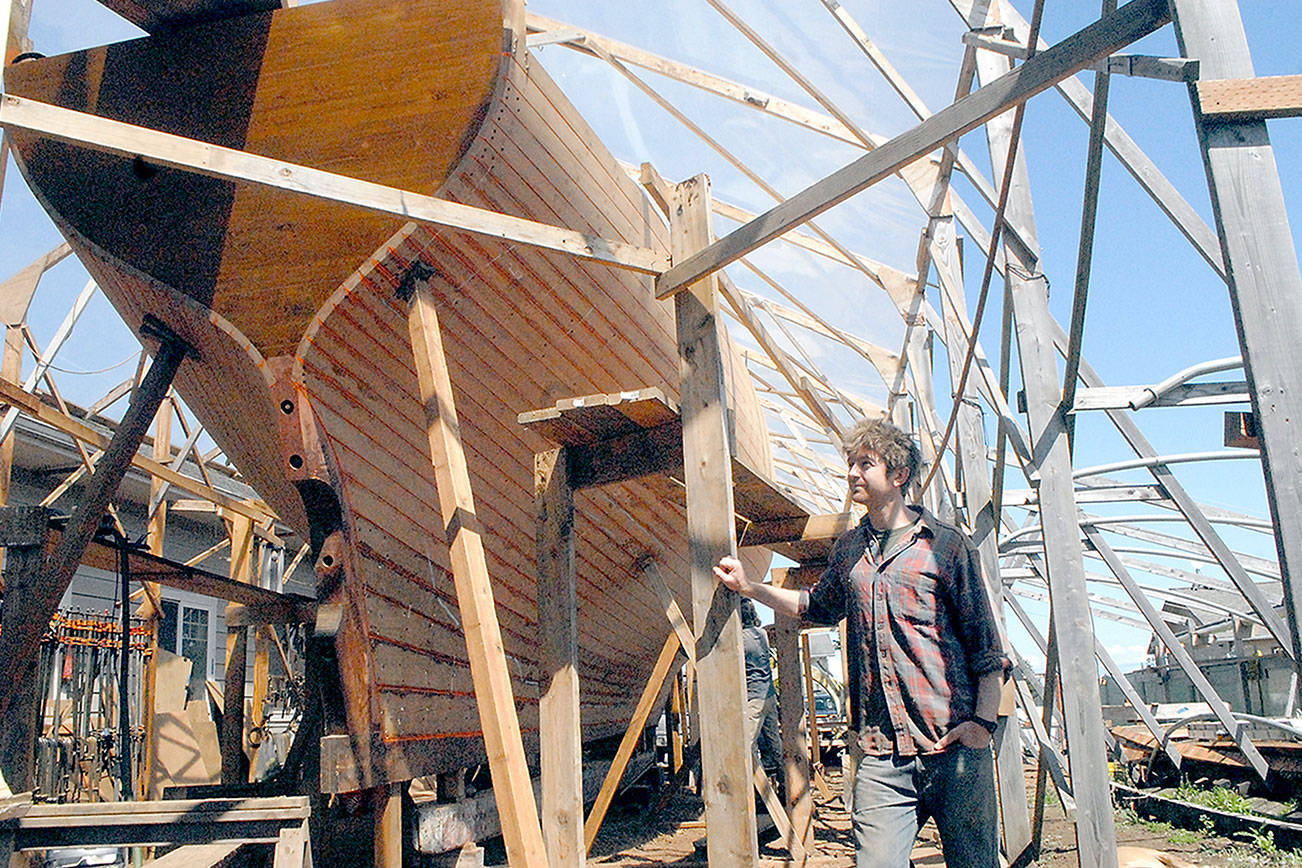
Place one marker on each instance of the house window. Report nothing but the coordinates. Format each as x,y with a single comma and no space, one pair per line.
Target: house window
194,646
185,630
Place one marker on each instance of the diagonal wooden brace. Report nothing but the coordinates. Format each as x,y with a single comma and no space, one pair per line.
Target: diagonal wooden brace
501,725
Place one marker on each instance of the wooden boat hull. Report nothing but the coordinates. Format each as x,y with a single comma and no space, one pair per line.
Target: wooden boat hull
304,372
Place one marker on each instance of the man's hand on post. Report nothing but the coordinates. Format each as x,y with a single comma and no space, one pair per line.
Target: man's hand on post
733,575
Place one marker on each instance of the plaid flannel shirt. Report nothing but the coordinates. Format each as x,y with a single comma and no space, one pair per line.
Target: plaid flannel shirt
920,627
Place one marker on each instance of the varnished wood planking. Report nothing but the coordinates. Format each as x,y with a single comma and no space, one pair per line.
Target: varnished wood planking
228,368
264,77
359,341
567,329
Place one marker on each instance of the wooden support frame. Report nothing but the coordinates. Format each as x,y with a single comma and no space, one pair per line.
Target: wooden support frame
707,456
648,701
560,737
1095,828
92,131
796,762
1133,21
1261,269
493,695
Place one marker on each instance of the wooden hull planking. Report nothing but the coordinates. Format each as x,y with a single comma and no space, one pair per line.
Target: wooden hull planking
305,374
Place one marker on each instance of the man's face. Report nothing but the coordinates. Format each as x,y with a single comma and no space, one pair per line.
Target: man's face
870,483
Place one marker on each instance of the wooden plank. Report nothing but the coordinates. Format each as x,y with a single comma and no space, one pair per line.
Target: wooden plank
1095,828
197,856
677,621
1133,21
791,715
778,814
560,752
972,450
725,761
1262,269
520,828
216,161
234,760
1245,99
811,528
648,701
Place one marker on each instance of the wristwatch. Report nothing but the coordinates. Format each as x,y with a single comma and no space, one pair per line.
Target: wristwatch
989,725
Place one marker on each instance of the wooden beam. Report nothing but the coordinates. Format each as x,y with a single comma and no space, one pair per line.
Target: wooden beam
1247,99
234,760
778,814
560,751
1262,268
707,456
24,532
1095,829
1133,21
179,152
791,715
388,825
488,669
648,701
673,612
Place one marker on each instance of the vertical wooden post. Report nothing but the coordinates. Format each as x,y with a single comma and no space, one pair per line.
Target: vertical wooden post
20,642
560,737
1261,269
676,725
807,661
501,725
234,762
1068,598
154,537
388,826
791,717
11,368
24,531
707,471
971,447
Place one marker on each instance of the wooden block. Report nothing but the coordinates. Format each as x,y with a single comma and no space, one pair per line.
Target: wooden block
197,856
1270,96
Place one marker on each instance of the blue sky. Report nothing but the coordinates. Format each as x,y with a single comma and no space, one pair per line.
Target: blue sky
1155,307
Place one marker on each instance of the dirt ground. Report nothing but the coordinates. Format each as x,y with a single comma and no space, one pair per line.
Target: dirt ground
636,834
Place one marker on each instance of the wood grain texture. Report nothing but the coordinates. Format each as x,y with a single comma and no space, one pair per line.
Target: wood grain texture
299,302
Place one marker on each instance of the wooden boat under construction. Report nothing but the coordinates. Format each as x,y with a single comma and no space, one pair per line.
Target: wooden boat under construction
304,373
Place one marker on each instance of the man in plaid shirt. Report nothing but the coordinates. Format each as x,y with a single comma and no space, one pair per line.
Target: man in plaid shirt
926,661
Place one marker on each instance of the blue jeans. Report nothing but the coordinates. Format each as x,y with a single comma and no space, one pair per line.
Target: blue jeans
894,796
